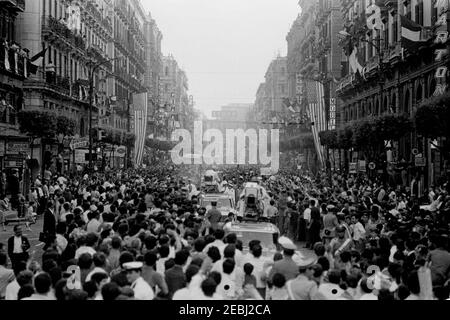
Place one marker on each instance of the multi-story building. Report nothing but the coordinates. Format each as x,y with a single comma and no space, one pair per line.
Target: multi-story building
232,117
102,38
174,98
76,36
154,63
384,75
14,69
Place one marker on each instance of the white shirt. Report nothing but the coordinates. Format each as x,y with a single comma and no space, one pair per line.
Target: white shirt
217,243
142,290
94,271
17,245
259,268
12,290
92,226
307,214
368,296
358,231
61,243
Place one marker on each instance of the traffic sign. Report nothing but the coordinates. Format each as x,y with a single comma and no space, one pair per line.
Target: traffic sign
372,166
415,151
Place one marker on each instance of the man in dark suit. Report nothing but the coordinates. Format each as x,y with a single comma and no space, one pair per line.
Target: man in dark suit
18,246
49,225
175,277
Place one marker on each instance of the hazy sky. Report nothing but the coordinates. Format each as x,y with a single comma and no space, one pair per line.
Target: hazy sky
225,46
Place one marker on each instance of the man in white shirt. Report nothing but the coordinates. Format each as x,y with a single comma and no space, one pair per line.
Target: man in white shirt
142,290
219,235
186,293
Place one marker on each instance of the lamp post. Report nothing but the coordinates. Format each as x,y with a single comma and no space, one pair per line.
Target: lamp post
91,97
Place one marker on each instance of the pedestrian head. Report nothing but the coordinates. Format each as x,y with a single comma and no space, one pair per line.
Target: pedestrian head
25,292
18,230
209,287
42,283
278,280
214,253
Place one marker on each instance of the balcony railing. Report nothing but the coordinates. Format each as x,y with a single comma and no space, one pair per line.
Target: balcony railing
346,83
18,5
13,61
51,24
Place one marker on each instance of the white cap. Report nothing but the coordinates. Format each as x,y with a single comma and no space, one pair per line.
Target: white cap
287,243
135,265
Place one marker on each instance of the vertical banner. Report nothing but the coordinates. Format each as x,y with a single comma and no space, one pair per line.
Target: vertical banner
140,125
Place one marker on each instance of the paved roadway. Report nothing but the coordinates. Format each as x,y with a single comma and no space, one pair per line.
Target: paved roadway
33,236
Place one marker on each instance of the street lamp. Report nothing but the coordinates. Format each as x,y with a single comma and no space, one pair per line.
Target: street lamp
91,97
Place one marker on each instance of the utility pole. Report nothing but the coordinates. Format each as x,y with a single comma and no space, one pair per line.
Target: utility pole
127,158
91,94
91,98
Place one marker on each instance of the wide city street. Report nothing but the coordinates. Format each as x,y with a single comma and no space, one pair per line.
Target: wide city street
240,150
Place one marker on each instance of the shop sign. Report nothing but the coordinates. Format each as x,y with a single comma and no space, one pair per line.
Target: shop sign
17,147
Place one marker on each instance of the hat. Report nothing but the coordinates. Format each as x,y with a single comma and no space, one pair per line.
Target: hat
340,229
135,265
305,263
287,243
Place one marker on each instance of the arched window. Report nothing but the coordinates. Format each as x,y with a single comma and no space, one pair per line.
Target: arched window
82,127
406,104
393,104
377,104
432,87
385,105
419,94
370,107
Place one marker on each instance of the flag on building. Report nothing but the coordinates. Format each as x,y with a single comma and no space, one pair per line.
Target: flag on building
411,34
316,113
140,127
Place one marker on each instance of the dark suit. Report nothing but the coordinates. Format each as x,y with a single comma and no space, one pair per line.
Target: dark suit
17,257
49,227
175,279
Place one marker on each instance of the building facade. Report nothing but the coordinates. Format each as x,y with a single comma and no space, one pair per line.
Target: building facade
177,104
102,40
230,117
14,70
385,75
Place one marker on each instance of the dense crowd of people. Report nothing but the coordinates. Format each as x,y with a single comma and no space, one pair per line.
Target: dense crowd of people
142,234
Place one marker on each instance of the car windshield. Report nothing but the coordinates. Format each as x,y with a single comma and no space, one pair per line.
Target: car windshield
221,203
268,240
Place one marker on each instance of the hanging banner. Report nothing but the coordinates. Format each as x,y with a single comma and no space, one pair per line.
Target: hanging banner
140,101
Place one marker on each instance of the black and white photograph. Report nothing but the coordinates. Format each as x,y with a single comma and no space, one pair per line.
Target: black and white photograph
224,156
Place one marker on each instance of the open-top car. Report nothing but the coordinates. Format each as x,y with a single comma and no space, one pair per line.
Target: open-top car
225,204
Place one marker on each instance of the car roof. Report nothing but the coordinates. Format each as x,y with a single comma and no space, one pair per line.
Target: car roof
217,195
254,227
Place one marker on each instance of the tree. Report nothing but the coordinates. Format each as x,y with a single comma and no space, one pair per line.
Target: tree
369,135
65,126
37,124
329,139
432,120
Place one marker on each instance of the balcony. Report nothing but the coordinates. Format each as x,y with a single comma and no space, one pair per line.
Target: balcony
52,29
393,55
371,68
16,62
16,5
308,65
346,84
